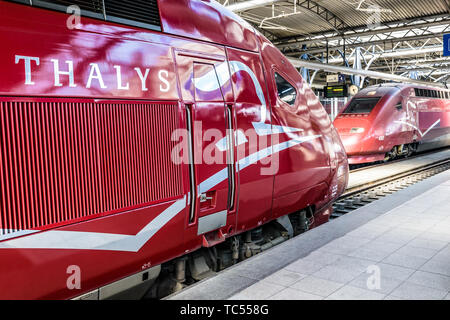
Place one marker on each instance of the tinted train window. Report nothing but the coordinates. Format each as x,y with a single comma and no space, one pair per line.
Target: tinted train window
207,87
286,92
432,93
416,91
362,105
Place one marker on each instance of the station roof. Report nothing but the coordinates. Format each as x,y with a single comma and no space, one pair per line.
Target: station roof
353,13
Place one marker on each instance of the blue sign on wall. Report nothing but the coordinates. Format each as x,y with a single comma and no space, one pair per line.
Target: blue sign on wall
446,45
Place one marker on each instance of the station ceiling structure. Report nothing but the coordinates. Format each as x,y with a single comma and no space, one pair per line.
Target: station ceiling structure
398,37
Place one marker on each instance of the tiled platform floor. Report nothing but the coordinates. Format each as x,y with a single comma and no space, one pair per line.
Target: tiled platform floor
408,247
395,248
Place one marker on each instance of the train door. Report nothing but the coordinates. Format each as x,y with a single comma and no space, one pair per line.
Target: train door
407,106
208,107
255,160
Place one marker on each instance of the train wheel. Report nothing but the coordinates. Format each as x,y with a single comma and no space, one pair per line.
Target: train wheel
403,151
391,155
410,151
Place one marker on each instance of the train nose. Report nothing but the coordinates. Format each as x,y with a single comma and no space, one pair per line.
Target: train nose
352,131
352,143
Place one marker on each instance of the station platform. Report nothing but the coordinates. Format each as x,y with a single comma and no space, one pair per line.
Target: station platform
366,175
395,248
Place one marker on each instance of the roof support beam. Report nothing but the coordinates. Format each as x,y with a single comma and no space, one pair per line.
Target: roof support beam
396,54
251,4
326,15
388,28
372,42
350,71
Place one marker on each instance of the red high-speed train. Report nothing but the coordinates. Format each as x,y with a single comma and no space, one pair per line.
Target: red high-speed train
118,169
389,121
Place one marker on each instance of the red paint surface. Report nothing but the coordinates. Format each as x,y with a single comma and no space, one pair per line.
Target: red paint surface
98,159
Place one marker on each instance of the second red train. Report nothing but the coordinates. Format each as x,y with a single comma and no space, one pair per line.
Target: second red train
389,121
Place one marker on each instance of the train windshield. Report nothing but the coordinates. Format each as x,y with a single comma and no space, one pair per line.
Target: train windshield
362,105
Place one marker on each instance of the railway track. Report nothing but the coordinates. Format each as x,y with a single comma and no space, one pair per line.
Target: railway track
361,196
362,167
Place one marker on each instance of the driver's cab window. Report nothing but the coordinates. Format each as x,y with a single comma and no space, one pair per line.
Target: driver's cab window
286,92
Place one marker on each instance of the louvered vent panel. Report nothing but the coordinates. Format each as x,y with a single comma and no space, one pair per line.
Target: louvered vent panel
140,13
145,11
88,5
62,161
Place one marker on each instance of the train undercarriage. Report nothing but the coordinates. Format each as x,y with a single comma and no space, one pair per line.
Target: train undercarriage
401,151
177,274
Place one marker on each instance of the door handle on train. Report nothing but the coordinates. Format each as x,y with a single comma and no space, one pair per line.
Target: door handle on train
204,197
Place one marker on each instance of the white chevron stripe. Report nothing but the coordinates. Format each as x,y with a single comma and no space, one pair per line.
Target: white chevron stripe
264,129
252,159
72,240
239,136
77,240
208,82
420,132
8,234
430,128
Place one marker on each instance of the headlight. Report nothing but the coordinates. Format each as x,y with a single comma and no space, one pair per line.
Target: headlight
357,130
